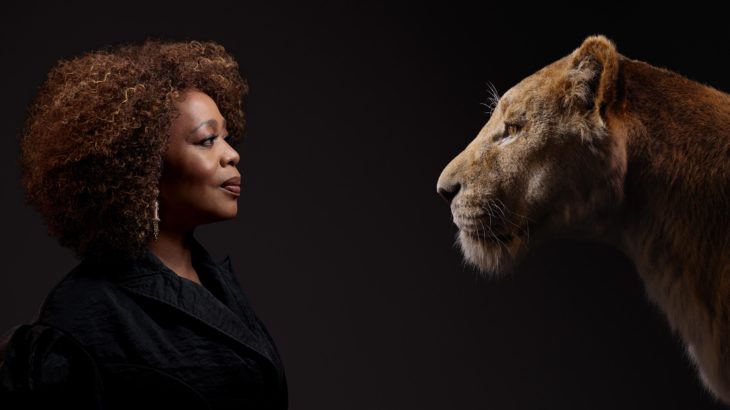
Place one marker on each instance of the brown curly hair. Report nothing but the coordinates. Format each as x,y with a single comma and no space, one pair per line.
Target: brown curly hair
93,141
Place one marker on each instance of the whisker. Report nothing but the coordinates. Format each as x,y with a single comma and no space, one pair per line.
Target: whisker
489,212
491,233
514,213
493,98
500,208
504,210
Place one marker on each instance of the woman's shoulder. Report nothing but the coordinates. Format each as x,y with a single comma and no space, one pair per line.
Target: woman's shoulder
80,305
45,365
78,293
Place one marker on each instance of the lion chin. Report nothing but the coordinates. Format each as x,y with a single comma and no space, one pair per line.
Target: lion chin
491,257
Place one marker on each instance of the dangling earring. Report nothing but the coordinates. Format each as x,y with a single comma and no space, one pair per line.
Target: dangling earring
155,222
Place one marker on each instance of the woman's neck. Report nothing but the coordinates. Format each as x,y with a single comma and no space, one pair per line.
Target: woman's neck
173,249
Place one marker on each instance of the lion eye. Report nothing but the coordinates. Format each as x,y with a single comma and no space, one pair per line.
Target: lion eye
510,129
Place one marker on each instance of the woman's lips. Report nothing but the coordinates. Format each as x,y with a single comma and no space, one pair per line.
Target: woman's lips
234,189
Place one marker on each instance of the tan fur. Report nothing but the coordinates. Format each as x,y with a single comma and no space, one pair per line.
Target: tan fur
616,150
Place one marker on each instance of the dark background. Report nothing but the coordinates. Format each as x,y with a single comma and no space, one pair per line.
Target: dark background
341,242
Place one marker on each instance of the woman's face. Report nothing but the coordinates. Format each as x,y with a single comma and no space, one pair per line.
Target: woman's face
197,163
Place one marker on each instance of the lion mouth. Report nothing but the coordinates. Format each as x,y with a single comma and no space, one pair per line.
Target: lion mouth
479,231
493,241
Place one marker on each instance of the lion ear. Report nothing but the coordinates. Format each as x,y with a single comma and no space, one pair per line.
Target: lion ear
593,74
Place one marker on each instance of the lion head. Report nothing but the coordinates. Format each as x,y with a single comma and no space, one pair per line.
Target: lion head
550,160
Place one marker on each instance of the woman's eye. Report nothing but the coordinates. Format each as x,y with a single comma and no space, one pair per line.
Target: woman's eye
204,142
211,138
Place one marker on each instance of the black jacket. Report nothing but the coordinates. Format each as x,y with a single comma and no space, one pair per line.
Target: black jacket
133,334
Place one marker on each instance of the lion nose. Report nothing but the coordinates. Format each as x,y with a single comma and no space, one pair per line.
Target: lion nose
448,190
450,181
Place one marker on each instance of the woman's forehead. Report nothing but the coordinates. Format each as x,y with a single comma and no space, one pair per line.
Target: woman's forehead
197,111
198,106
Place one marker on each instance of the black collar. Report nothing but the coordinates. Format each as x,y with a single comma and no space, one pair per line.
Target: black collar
220,304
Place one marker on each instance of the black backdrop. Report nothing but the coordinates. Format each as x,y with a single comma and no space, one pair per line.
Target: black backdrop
341,242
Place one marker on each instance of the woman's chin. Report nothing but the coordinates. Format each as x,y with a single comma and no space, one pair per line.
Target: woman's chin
230,214
221,213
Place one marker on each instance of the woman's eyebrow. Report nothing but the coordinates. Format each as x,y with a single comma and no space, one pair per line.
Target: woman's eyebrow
210,122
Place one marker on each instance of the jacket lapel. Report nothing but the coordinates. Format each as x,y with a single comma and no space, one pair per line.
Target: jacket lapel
150,278
233,296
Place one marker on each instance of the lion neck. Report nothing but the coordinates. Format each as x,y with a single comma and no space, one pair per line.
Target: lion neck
674,224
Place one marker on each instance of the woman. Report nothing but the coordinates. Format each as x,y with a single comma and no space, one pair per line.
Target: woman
124,152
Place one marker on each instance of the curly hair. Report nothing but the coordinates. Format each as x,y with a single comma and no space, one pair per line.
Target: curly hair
94,137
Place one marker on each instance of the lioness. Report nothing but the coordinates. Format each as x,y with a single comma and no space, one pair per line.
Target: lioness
597,145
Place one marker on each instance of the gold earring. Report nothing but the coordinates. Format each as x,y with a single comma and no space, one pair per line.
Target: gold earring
155,221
